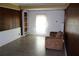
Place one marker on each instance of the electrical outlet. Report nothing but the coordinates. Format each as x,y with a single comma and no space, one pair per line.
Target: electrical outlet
19,33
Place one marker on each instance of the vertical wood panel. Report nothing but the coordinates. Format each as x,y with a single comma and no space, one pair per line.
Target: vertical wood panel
72,29
9,19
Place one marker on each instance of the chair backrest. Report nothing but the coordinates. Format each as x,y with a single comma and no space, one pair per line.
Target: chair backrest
53,34
59,35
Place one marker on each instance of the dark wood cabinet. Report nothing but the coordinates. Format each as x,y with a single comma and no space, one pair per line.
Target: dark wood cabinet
72,29
9,19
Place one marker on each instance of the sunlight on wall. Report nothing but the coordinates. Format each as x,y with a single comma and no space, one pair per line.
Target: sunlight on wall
41,24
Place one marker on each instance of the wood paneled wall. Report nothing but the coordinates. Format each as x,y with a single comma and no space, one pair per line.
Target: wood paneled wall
72,29
9,19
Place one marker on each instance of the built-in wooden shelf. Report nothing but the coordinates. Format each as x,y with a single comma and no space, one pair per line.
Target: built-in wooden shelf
25,22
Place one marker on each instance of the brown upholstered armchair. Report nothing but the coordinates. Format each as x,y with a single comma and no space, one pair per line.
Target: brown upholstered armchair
55,42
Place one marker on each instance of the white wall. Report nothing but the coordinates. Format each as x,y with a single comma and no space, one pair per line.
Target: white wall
52,17
9,35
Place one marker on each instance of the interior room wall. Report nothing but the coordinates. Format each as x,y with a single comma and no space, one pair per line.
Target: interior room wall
8,36
55,20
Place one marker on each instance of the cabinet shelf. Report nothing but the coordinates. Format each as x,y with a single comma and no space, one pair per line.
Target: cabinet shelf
25,21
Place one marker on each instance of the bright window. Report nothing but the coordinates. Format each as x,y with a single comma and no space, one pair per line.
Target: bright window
41,24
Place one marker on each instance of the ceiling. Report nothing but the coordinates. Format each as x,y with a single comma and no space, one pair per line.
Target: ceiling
46,6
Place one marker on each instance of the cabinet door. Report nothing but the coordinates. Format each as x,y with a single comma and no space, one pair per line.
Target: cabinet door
72,29
9,19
